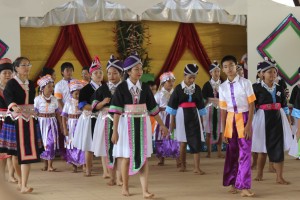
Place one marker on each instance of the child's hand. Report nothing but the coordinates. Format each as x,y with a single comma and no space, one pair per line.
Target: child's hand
248,132
17,109
106,101
66,132
164,130
225,139
115,137
292,120
172,127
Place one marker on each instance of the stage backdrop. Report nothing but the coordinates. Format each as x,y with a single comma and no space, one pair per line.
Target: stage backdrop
218,40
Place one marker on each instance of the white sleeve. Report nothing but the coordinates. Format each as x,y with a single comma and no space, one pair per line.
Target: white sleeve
249,91
58,93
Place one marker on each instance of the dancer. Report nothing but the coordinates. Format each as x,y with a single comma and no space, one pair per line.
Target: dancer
46,106
236,99
70,115
271,128
86,123
132,136
102,144
212,121
24,131
187,105
165,146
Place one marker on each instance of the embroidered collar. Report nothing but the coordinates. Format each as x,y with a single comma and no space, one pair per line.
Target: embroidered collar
131,85
189,90
46,98
270,89
94,85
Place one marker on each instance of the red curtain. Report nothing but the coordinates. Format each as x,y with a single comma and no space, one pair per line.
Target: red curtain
187,37
69,36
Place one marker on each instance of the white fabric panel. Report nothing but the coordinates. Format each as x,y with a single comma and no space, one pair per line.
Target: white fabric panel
87,11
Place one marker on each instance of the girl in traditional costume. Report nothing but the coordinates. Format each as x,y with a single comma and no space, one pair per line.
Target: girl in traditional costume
6,71
212,121
165,147
272,134
102,144
132,104
85,127
187,105
70,115
46,105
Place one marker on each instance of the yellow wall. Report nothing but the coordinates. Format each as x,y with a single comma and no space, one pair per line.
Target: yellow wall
218,40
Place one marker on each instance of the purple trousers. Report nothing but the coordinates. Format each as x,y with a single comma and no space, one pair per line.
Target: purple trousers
237,168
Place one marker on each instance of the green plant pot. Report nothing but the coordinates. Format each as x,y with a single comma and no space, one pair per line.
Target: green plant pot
147,77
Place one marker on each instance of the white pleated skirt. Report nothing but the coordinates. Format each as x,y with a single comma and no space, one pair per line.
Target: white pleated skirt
71,128
83,133
98,144
180,133
259,132
122,149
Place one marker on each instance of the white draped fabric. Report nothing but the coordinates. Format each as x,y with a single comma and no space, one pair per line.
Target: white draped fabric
87,11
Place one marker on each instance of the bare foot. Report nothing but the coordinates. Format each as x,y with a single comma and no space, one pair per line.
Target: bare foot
105,176
13,180
199,171
75,169
182,167
119,183
125,193
111,183
26,190
19,187
247,193
148,195
208,156
282,182
51,169
233,190
87,175
178,163
160,164
221,156
258,178
44,169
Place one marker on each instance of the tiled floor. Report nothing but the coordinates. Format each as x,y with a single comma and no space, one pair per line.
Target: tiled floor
166,182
